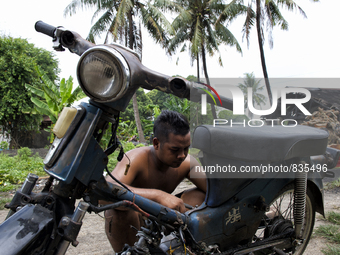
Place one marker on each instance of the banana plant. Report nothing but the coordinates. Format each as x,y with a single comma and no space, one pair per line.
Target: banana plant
49,99
179,105
148,124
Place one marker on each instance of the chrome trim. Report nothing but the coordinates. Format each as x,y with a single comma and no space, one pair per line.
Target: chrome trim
127,49
123,66
52,150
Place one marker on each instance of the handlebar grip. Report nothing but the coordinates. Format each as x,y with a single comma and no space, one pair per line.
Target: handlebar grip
45,28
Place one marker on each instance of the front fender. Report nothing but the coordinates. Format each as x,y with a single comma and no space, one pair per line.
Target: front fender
26,231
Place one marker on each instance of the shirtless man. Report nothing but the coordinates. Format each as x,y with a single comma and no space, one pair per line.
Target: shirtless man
154,173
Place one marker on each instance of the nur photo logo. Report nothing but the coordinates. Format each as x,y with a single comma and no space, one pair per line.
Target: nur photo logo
239,100
204,98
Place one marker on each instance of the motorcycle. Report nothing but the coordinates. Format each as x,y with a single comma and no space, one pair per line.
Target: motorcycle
239,216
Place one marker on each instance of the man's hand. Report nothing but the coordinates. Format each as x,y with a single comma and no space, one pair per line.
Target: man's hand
171,201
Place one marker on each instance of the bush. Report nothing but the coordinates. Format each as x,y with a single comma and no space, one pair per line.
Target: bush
13,170
3,145
24,153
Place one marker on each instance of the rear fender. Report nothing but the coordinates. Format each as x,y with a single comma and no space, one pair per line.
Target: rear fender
316,186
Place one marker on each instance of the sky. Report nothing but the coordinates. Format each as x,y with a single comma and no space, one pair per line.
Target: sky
309,49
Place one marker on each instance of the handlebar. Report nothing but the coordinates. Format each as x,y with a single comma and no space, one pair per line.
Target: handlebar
64,38
45,28
147,79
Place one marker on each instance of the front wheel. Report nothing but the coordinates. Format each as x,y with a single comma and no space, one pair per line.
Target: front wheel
280,219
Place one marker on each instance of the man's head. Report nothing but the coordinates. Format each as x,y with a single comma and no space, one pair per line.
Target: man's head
171,138
170,122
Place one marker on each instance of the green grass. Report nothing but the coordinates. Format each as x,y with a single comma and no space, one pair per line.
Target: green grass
13,170
333,184
331,233
331,250
333,217
3,201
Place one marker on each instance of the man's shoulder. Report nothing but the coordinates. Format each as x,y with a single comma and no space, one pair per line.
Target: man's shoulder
136,158
139,153
140,149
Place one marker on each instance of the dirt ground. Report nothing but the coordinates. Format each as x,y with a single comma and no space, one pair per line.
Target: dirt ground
92,238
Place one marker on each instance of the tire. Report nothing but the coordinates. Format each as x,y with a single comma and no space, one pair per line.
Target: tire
283,220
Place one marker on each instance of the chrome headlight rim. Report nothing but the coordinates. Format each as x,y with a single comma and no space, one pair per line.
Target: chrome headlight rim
122,64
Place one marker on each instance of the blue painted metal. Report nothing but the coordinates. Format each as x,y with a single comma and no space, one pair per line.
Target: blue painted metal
235,219
80,151
26,230
163,213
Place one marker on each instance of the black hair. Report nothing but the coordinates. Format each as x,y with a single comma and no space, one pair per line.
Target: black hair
170,122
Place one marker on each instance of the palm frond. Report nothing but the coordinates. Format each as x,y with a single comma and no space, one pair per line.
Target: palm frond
197,38
211,39
180,37
151,24
231,11
78,4
291,6
274,15
167,5
227,37
105,5
124,8
160,18
183,19
249,23
102,25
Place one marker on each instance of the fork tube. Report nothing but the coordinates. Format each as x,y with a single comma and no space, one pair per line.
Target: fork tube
26,188
77,216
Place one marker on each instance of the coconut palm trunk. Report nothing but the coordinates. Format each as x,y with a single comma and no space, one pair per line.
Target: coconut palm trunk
134,98
198,68
260,40
213,110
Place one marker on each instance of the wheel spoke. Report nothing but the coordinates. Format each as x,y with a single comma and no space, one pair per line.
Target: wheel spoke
284,208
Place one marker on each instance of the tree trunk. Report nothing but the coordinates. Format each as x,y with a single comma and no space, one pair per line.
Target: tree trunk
263,61
198,68
213,110
134,98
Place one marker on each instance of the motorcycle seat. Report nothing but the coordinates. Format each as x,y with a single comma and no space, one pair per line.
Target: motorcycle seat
266,143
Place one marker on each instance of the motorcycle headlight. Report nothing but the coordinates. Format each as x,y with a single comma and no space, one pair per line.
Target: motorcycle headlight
103,74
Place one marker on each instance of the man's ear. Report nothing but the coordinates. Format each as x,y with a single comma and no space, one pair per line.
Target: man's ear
155,143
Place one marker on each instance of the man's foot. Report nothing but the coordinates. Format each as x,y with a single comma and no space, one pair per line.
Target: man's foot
272,213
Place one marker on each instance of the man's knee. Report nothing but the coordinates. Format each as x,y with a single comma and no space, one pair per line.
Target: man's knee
118,227
193,197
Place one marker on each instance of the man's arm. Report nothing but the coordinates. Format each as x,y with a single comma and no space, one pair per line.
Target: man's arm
197,177
156,195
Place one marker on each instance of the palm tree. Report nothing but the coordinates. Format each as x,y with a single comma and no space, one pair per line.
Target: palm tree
198,28
251,82
117,19
269,11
